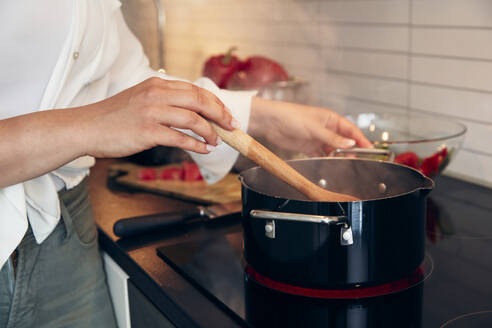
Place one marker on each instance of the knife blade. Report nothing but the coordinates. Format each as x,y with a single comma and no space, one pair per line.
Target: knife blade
140,224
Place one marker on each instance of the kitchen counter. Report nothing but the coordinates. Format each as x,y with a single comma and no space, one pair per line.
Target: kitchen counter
180,302
463,213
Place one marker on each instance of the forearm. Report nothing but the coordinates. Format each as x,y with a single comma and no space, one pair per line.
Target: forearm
312,130
262,111
40,142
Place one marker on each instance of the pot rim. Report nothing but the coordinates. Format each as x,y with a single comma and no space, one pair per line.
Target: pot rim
428,185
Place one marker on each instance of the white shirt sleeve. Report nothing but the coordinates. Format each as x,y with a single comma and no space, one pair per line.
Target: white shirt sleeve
215,165
132,67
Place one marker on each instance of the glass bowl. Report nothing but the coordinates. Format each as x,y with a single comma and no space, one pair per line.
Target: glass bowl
426,143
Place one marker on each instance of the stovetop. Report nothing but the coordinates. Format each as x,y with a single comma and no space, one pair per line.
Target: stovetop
456,290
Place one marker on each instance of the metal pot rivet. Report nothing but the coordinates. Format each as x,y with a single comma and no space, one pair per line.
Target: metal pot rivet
322,183
270,229
346,236
382,188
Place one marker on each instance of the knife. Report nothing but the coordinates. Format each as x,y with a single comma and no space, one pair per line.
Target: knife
136,225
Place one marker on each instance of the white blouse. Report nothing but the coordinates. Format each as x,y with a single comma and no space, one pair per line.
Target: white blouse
67,53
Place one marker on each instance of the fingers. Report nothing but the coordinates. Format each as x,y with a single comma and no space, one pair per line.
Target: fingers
332,139
348,135
185,119
188,96
350,130
173,138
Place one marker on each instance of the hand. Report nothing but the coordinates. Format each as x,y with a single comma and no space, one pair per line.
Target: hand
313,131
136,119
143,116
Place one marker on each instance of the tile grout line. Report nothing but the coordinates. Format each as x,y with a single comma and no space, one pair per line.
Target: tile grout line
415,109
409,55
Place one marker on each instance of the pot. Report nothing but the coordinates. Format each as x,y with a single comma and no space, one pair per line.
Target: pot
331,245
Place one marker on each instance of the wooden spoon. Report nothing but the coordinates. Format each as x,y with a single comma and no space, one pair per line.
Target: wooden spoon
255,151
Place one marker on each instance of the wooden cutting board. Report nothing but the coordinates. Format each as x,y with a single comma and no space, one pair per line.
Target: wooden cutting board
226,190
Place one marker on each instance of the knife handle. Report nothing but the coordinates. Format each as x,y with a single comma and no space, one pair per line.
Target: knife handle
140,224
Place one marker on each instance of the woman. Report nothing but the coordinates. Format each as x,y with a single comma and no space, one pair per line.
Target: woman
76,85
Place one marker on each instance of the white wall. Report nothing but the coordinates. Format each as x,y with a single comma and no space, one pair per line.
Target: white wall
429,56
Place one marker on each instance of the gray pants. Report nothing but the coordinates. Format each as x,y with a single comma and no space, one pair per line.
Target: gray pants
61,282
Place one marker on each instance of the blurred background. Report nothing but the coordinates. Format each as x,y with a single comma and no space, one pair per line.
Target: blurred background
428,57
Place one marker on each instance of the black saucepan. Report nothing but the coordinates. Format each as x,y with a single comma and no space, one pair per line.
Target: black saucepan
311,244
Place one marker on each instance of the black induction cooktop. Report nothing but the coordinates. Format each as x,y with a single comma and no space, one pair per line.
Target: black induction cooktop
455,289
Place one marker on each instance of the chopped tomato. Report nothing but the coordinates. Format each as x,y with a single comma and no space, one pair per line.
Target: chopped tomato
409,159
172,173
191,172
147,174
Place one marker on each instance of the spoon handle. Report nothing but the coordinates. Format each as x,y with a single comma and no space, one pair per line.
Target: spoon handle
259,154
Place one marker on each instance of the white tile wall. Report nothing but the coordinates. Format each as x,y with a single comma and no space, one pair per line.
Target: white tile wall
371,89
478,138
454,42
349,104
433,57
390,38
465,13
462,104
365,11
466,74
367,63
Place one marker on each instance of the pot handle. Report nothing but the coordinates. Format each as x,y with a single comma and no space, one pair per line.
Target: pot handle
365,151
346,237
270,215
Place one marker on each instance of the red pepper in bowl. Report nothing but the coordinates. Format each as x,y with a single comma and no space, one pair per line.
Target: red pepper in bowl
431,165
220,68
409,159
256,72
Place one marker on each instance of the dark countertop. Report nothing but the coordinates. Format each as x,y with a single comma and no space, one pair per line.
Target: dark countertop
175,297
180,301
